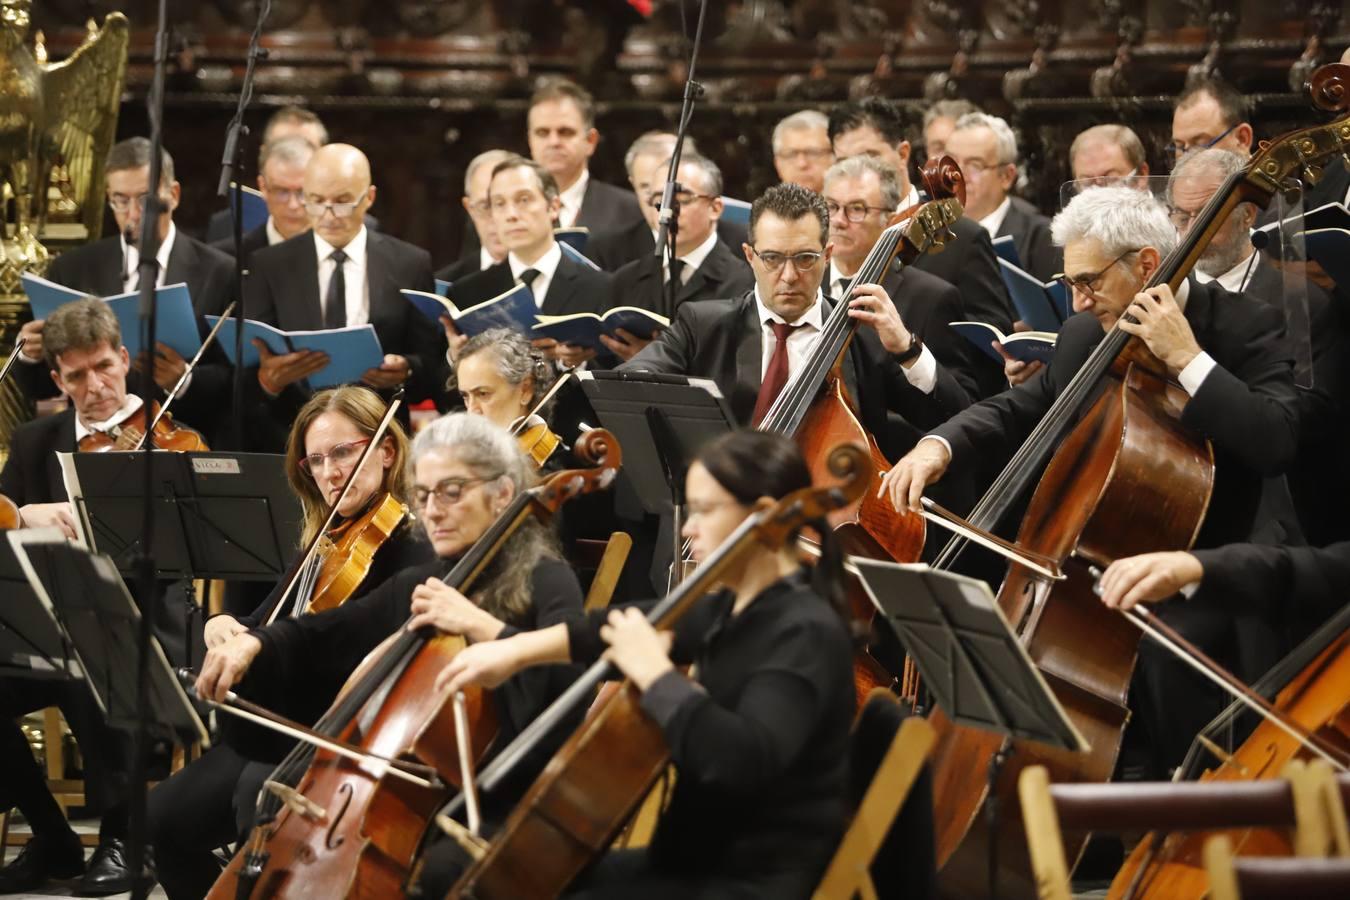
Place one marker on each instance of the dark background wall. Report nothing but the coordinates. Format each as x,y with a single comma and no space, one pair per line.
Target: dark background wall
424,86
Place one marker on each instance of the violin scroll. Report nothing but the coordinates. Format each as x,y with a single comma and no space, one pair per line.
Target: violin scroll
598,445
942,178
1329,87
595,447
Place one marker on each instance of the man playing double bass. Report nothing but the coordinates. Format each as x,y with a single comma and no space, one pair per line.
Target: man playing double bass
1229,355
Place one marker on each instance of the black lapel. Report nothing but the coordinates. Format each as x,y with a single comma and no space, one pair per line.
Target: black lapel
301,295
110,265
382,288
749,351
562,286
708,277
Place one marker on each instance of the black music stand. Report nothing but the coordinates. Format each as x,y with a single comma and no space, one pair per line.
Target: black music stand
32,644
86,598
221,515
971,661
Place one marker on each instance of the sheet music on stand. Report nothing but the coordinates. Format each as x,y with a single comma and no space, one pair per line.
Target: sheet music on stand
87,600
32,642
220,515
972,662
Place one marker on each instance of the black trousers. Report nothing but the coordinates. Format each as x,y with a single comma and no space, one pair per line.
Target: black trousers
106,752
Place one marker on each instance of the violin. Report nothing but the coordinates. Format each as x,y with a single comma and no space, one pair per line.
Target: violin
352,549
130,434
538,443
596,781
1113,435
333,827
9,514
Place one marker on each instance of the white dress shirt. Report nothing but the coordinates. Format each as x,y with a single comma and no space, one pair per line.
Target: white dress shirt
131,260
994,221
692,260
130,404
1235,279
485,260
799,342
546,266
353,276
571,201
274,235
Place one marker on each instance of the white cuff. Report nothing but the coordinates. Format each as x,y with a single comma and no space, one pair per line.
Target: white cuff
923,374
941,440
1195,373
23,358
187,383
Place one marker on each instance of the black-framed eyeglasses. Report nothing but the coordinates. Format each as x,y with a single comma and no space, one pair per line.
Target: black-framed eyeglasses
804,261
316,209
341,455
447,492
1178,149
684,198
1090,284
854,212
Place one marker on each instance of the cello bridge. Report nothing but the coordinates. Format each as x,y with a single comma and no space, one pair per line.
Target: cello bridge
297,802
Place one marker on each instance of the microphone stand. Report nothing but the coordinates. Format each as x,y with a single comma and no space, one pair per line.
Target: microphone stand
143,564
670,211
231,164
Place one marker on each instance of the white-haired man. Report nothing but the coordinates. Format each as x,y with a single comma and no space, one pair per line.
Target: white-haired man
985,148
1228,354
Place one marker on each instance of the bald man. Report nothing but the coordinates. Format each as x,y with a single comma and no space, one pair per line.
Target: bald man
337,274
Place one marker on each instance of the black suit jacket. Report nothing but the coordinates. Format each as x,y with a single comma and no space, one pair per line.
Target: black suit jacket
460,268
574,288
721,340
612,250
1247,406
283,290
248,243
1294,588
1030,232
97,269
607,207
722,275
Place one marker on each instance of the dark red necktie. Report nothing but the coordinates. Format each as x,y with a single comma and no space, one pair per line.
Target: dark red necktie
776,375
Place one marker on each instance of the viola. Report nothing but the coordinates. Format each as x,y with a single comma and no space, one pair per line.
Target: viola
537,442
348,559
9,514
1113,436
130,434
597,780
334,827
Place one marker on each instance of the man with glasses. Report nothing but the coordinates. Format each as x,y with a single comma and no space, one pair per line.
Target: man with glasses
337,274
1210,113
704,268
985,148
111,266
1233,366
801,149
860,193
489,249
1106,155
751,346
873,127
524,200
281,181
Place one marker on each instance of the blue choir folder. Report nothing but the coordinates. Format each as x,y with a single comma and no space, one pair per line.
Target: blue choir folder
1041,304
1021,345
584,329
175,320
515,309
351,350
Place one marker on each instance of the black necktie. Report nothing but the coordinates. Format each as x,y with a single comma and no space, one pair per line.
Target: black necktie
335,310
677,272
527,278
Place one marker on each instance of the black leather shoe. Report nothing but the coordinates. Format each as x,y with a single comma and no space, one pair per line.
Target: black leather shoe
43,858
107,872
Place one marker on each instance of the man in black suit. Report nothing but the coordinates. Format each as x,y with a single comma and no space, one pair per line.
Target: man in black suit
281,181
86,359
1227,353
647,163
705,268
873,126
338,274
986,150
860,193
524,200
560,126
1318,482
487,249
752,345
112,266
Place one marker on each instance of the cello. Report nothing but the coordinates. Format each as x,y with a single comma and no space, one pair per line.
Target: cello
599,777
1118,475
331,827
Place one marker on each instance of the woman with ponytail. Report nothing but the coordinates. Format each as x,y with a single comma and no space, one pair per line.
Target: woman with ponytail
758,730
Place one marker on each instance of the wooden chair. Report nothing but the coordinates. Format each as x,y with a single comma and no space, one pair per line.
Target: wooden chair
1273,877
67,792
608,569
1143,806
909,741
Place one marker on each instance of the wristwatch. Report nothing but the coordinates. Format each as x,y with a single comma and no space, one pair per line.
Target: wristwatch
915,348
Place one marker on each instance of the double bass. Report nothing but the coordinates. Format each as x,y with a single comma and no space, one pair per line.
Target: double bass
599,777
1119,475
329,826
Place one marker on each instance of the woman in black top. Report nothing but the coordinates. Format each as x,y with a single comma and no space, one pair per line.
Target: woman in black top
209,802
759,733
466,471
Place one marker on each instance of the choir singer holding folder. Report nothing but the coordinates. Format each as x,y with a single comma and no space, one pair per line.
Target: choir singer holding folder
337,275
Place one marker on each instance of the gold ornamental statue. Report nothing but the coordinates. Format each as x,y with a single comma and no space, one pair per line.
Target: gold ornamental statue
57,122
